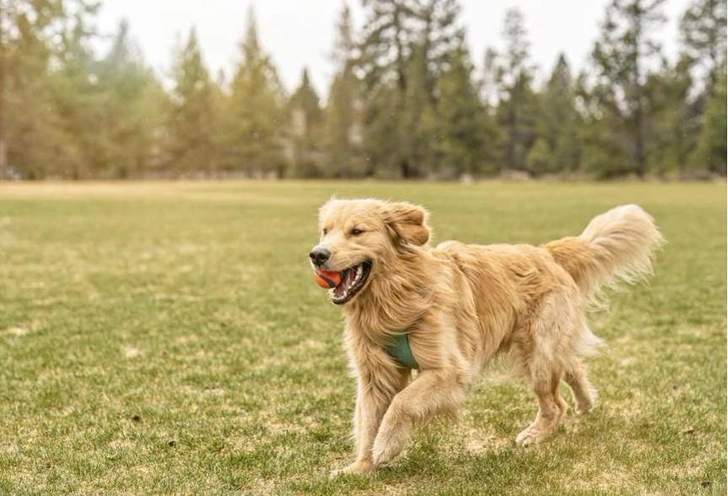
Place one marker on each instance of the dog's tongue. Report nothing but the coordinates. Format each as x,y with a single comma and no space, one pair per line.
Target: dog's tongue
327,278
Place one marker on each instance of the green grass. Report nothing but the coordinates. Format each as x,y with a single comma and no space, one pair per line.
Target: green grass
169,338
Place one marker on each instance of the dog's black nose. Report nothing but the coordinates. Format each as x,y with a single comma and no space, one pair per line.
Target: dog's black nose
319,256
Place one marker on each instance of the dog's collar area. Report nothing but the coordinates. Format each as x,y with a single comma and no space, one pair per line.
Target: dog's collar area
399,349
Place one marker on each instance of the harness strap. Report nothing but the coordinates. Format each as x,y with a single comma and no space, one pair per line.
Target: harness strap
400,350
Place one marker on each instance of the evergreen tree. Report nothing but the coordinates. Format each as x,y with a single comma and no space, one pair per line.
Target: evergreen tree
460,116
494,134
540,158
600,156
133,109
223,122
419,134
674,117
29,122
46,88
558,149
703,35
406,48
191,127
306,99
439,63
256,110
711,151
491,83
342,119
620,58
390,31
442,34
78,99
382,137
307,116
516,110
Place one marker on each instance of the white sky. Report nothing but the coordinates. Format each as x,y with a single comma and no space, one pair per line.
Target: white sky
298,33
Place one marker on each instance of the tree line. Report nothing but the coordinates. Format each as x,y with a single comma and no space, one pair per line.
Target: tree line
405,101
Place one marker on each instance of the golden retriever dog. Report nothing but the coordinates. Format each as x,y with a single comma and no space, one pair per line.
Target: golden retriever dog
458,306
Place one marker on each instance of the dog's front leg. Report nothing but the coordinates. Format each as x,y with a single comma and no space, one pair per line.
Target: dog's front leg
433,392
370,408
373,397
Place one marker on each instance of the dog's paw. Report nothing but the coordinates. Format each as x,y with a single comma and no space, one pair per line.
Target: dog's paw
388,444
384,452
356,468
382,456
584,407
531,436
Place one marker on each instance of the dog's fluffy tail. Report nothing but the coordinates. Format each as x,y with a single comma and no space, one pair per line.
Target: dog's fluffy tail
617,246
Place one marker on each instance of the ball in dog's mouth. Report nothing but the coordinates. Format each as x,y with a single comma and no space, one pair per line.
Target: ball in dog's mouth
350,281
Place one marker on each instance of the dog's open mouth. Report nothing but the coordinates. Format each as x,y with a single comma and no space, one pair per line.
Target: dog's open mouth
352,280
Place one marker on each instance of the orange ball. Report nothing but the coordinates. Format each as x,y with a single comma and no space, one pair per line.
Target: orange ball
327,278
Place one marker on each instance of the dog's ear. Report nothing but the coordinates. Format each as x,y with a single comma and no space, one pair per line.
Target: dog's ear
409,223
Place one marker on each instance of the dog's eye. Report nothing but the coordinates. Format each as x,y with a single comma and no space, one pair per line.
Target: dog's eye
356,231
325,231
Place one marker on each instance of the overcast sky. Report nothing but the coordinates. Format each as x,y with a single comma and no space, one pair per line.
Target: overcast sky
299,33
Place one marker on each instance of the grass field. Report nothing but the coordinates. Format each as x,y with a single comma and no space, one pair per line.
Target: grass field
168,338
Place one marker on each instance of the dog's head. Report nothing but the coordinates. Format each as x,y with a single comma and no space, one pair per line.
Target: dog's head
360,239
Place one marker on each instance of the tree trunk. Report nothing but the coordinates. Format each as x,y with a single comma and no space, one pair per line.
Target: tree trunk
640,137
3,146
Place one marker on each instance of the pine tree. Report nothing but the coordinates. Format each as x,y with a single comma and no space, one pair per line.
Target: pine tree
420,138
406,47
516,110
307,100
382,139
133,109
620,58
711,150
540,158
254,138
29,122
601,157
78,99
442,34
307,116
674,117
191,127
703,40
460,116
491,83
494,135
391,29
558,149
703,35
342,119
438,63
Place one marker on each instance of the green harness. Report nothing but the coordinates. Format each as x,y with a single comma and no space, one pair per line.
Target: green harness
400,350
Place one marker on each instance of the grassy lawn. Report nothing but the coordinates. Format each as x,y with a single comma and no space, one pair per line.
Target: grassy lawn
168,338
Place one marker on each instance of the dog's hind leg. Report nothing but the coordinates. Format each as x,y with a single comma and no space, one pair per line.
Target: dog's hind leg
551,407
584,393
542,352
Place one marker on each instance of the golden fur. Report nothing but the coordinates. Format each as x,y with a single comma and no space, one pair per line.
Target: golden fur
462,305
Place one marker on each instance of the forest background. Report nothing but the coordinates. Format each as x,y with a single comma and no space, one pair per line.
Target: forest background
405,100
